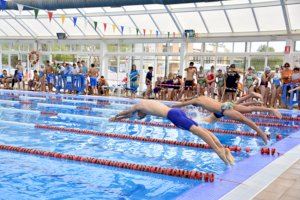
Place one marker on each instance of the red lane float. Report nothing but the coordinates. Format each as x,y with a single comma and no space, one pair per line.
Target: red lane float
83,108
159,124
268,151
130,137
261,123
49,113
278,137
288,118
26,102
190,174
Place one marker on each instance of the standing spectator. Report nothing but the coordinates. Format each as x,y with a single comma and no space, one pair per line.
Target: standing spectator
232,78
189,81
276,88
134,80
201,81
296,80
264,84
157,88
220,84
93,74
20,75
49,76
169,86
286,76
42,78
210,80
250,80
149,82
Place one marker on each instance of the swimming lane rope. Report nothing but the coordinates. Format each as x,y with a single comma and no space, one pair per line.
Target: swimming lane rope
130,137
190,174
261,123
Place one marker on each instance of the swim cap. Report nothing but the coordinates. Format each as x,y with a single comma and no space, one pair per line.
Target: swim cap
267,68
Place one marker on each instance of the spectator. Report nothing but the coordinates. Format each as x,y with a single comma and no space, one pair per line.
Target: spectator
34,82
49,71
103,86
276,88
250,81
220,84
286,76
93,74
201,81
232,78
20,76
157,88
5,79
189,80
134,80
265,84
210,80
149,82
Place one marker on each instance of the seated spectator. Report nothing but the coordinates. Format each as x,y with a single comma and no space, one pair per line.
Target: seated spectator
34,82
5,79
103,86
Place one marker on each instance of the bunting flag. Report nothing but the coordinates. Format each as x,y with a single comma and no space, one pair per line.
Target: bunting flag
168,34
156,33
95,25
144,31
114,28
20,8
36,12
122,29
50,15
74,20
104,26
137,31
63,18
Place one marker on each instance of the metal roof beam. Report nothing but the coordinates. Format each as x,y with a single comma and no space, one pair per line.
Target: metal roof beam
286,16
175,10
175,20
90,23
255,18
226,15
76,24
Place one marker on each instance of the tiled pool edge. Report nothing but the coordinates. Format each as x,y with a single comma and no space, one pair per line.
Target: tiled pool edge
236,175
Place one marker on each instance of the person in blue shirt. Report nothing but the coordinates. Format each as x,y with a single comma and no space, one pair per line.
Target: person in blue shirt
134,77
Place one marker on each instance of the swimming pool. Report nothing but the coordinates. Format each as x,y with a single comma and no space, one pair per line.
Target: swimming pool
29,176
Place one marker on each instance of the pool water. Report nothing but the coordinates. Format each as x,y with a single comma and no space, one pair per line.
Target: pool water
28,177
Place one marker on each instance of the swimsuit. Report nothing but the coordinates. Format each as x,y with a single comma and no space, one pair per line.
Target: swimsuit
249,81
20,76
276,79
201,80
188,84
50,78
180,120
224,106
93,81
221,81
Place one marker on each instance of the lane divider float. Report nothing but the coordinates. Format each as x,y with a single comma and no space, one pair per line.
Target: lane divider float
26,102
165,125
84,108
262,124
131,137
190,174
49,113
268,151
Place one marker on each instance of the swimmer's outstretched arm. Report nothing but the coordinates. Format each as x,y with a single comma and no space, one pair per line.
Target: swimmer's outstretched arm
185,103
296,88
126,113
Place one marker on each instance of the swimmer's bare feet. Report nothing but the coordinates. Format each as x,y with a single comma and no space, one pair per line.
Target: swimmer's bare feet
229,157
222,154
257,95
264,136
276,113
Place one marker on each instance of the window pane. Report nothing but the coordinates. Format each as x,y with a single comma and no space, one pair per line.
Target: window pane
297,46
259,46
149,48
175,47
125,47
275,60
112,47
210,47
276,46
242,20
194,47
165,23
4,60
258,63
239,62
18,27
191,20
161,63
232,2
138,48
112,69
36,27
294,15
239,47
222,61
216,21
208,62
5,46
174,62
270,18
225,47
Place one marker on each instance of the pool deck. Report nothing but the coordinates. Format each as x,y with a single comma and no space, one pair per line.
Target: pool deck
285,187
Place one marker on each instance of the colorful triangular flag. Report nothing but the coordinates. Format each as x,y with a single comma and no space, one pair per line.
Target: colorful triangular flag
20,8
74,20
168,34
114,28
36,12
122,29
104,26
63,18
50,15
95,25
156,32
144,31
137,31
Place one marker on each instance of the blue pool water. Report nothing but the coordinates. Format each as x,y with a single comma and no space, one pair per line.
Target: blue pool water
28,177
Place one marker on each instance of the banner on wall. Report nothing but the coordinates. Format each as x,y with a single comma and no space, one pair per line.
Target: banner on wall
287,49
